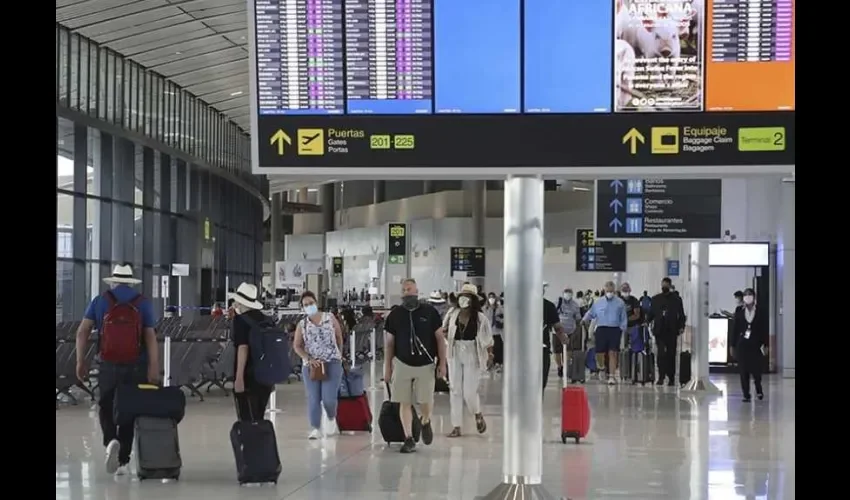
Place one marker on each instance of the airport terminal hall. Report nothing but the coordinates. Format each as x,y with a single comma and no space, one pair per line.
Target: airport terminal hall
425,249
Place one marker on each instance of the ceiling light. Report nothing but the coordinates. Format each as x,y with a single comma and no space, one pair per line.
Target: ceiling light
580,188
234,94
178,53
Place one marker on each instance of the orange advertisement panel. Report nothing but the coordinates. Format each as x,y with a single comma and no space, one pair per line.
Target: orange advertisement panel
749,55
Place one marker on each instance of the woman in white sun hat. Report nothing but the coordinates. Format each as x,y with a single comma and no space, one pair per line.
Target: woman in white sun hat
251,396
469,353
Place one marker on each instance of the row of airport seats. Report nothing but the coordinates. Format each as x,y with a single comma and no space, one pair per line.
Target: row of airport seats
202,355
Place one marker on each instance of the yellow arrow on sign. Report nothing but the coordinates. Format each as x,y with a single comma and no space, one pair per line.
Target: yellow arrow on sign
278,140
633,136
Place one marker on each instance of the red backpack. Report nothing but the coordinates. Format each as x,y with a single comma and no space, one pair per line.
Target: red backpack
121,331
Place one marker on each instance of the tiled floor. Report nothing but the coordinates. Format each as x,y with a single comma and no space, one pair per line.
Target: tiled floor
645,443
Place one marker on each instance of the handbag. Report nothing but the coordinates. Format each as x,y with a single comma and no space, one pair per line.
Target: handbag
318,374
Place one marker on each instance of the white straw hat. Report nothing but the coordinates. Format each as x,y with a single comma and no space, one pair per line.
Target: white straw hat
122,274
436,298
469,288
247,295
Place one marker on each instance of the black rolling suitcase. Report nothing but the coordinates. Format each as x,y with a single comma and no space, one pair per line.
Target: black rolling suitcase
157,449
255,450
389,422
684,367
643,367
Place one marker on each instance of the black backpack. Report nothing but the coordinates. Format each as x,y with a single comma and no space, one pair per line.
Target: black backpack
269,347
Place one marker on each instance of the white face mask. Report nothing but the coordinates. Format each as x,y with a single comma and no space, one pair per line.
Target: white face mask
491,300
609,295
749,299
568,296
626,295
463,302
311,309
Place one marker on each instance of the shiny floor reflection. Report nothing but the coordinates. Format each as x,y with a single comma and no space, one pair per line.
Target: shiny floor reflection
645,443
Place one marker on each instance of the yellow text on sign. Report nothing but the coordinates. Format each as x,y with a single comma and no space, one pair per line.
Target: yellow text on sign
761,139
311,141
379,142
397,231
404,142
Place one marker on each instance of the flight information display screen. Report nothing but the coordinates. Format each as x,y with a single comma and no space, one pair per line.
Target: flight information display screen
391,57
388,56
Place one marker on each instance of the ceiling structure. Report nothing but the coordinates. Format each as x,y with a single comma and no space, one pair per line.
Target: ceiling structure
201,45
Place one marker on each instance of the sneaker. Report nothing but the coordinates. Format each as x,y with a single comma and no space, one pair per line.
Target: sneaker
612,380
427,433
123,470
760,396
560,372
409,446
314,434
112,450
747,399
331,429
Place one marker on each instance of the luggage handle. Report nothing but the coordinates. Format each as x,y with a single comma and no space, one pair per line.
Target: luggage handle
566,364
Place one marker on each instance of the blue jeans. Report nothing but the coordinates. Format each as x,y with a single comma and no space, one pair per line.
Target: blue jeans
322,393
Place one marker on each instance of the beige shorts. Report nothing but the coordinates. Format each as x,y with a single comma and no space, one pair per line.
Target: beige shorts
413,384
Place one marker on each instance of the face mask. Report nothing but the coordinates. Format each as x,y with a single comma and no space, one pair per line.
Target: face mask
749,299
311,309
626,295
463,302
609,295
665,289
410,302
568,296
491,300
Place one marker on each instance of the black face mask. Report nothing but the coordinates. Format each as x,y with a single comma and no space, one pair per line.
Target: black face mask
665,289
410,302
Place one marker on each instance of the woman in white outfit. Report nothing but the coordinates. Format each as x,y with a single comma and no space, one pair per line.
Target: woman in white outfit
470,352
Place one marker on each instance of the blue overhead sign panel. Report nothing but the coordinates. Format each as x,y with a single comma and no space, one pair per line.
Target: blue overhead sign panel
658,209
672,267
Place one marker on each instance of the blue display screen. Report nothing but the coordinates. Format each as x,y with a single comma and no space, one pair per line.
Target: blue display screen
477,56
568,47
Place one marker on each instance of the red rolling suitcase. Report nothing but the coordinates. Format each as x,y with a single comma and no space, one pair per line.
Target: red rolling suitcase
575,411
354,414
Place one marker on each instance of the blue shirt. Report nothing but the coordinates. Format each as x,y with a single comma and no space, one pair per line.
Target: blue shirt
608,312
100,305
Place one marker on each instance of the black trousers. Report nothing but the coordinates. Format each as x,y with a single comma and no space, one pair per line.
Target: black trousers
547,364
498,350
750,364
666,357
251,404
110,376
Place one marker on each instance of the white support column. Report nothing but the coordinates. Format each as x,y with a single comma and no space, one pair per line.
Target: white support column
786,264
698,311
522,408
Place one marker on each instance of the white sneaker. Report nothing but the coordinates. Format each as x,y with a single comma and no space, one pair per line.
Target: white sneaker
122,470
331,429
612,380
112,450
314,434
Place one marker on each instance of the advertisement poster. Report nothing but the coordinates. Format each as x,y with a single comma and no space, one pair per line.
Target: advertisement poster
658,61
293,273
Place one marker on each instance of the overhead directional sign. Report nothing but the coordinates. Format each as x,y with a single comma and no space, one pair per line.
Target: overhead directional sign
470,260
658,209
602,256
278,140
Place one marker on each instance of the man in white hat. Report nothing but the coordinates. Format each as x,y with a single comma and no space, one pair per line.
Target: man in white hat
436,299
125,320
